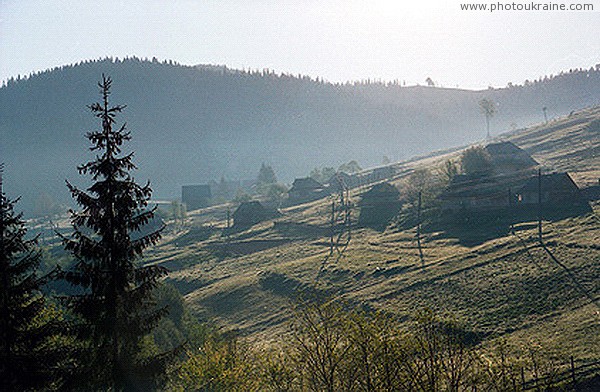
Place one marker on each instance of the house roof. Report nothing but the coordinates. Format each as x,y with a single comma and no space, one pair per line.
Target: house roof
509,152
464,186
554,181
306,183
342,175
252,212
381,192
249,207
196,190
342,179
384,188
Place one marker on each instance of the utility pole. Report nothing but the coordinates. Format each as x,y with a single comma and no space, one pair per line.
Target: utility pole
228,223
347,217
228,218
511,212
573,379
332,227
540,205
419,232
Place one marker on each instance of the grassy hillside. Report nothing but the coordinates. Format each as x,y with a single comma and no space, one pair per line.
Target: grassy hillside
195,124
505,286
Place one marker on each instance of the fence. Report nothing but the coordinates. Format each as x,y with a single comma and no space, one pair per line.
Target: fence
567,374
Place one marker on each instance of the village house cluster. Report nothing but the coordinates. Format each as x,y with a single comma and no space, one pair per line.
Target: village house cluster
514,182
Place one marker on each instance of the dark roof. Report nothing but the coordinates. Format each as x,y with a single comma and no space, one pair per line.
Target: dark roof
342,178
384,188
252,212
381,192
464,186
343,175
554,181
196,190
502,148
384,170
249,207
509,152
306,183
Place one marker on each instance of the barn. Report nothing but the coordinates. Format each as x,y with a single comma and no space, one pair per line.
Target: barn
250,213
506,157
379,205
304,190
556,189
482,193
512,167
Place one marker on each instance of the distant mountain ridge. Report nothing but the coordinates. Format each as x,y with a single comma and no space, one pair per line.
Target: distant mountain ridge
191,124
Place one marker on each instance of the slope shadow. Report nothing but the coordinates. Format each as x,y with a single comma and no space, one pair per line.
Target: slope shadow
473,228
193,236
246,247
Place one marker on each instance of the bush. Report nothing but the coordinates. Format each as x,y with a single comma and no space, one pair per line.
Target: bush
217,363
594,126
475,161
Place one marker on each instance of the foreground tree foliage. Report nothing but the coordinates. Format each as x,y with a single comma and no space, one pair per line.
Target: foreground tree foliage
116,305
30,349
331,347
217,362
337,349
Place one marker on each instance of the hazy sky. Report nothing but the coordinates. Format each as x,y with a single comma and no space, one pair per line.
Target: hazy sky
336,40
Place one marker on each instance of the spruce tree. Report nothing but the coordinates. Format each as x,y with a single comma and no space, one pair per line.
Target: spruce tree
266,175
110,233
29,354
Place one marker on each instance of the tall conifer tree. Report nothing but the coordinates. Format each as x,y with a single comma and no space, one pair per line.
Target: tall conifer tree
109,236
28,358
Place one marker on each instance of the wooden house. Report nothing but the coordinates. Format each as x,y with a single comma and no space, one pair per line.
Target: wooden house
379,204
250,213
342,180
304,190
506,157
556,189
476,193
511,166
381,173
196,196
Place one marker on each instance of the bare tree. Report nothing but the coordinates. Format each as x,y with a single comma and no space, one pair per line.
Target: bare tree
545,109
488,109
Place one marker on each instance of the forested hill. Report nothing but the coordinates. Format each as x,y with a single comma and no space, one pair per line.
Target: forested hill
193,124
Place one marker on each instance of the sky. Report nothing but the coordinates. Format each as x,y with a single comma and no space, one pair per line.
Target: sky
339,41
